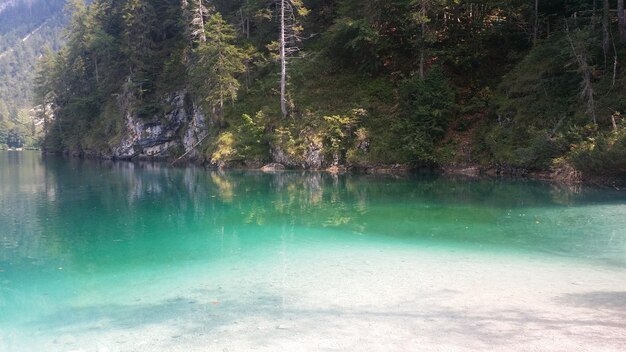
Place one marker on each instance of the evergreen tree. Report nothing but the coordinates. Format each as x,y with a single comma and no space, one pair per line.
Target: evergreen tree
218,62
139,22
4,111
195,15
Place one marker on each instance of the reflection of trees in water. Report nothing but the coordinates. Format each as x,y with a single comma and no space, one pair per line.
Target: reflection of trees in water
225,188
130,209
24,185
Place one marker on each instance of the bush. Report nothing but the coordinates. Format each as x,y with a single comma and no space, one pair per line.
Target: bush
602,155
246,141
427,108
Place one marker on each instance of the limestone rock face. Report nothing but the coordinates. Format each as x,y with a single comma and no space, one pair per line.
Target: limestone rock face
313,155
162,136
280,156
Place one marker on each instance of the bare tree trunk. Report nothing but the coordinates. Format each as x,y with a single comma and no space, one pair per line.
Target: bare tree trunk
221,113
606,42
585,72
423,43
202,33
621,21
283,61
45,117
421,73
243,21
536,26
190,149
95,62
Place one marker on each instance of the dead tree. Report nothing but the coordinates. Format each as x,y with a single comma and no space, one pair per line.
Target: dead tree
586,92
621,21
289,40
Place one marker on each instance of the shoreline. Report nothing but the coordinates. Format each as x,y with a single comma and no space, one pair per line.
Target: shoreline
560,176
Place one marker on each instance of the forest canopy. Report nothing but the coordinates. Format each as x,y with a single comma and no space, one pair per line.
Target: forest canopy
27,30
510,84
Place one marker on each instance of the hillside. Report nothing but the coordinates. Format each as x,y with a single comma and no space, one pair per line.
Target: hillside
496,85
27,29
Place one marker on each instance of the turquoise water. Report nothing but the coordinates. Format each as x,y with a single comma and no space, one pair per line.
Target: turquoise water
87,246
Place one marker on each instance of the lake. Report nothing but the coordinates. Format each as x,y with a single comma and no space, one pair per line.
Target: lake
118,256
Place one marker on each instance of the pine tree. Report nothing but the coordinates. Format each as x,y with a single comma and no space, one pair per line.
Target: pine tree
4,111
198,13
217,63
139,21
43,91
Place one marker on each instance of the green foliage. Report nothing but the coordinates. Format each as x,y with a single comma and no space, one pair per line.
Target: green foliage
525,148
224,149
18,131
217,62
26,29
339,134
382,81
245,141
354,43
428,107
252,141
542,111
4,111
604,154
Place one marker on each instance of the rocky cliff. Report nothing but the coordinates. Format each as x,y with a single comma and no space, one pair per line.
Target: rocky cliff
175,132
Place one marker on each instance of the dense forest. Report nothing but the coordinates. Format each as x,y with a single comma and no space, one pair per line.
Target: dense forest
511,86
27,30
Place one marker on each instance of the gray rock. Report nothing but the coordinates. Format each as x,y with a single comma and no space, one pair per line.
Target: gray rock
180,129
273,167
313,157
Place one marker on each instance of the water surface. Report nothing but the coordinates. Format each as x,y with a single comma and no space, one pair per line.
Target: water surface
104,256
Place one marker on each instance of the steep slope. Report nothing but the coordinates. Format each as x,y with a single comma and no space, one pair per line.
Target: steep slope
27,29
499,86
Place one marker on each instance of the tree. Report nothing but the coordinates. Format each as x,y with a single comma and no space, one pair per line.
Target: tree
195,14
288,42
536,24
43,90
99,44
139,21
421,17
4,111
621,21
587,91
606,40
217,63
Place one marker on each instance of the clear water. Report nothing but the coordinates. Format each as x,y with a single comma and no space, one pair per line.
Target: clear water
95,248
